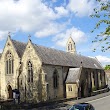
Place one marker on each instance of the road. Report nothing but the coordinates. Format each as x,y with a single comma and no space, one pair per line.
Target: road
99,104
102,103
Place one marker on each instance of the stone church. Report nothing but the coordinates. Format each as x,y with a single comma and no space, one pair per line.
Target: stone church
42,74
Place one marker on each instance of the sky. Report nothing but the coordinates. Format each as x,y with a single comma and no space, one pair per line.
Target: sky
50,23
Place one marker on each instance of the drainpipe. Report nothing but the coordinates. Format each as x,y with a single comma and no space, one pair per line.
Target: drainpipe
19,72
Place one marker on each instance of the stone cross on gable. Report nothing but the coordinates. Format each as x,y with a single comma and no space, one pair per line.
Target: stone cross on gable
29,36
70,35
9,34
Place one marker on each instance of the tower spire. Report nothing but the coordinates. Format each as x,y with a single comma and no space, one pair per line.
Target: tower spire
71,45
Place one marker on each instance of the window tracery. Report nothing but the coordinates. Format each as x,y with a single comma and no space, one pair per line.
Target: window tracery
55,79
9,63
30,72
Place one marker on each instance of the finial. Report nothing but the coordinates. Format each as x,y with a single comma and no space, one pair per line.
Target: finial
29,36
9,34
70,35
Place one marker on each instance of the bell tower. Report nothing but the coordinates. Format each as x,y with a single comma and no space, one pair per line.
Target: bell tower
70,46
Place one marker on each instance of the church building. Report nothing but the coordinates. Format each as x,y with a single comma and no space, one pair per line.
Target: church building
42,74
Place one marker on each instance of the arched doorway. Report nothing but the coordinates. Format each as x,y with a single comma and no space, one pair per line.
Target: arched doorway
10,92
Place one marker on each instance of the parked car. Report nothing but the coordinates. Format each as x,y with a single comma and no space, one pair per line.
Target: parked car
82,106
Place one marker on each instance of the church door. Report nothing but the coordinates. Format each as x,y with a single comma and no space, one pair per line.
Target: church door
10,92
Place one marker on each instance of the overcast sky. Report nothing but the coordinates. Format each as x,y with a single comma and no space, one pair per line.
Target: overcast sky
50,23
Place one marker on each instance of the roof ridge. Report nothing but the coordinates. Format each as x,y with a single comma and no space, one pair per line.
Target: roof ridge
61,51
54,56
54,49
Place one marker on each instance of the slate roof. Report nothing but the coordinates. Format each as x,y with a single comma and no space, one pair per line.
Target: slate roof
20,47
57,57
73,75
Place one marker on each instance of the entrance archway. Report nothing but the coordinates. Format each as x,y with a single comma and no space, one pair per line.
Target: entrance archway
10,92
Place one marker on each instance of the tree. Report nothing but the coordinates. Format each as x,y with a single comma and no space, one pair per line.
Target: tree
102,12
107,67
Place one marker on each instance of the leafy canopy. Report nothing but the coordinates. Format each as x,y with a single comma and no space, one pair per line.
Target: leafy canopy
102,12
107,67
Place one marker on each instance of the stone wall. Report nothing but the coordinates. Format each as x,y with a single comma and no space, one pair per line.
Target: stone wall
91,80
71,90
55,93
36,91
8,79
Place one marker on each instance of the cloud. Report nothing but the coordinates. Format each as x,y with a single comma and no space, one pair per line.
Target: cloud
103,59
3,34
81,7
51,29
28,16
36,16
54,1
77,35
1,50
61,11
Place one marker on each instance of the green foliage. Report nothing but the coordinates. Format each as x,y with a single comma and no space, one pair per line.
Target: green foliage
94,88
103,14
107,67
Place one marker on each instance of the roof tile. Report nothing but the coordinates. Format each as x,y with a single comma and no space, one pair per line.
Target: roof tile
58,57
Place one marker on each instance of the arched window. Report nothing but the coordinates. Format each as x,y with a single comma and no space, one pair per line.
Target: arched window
9,63
30,72
69,88
55,79
70,46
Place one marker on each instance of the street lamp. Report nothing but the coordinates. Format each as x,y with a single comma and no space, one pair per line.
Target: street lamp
19,72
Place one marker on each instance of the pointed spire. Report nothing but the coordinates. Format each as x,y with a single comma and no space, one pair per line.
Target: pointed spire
71,45
71,38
